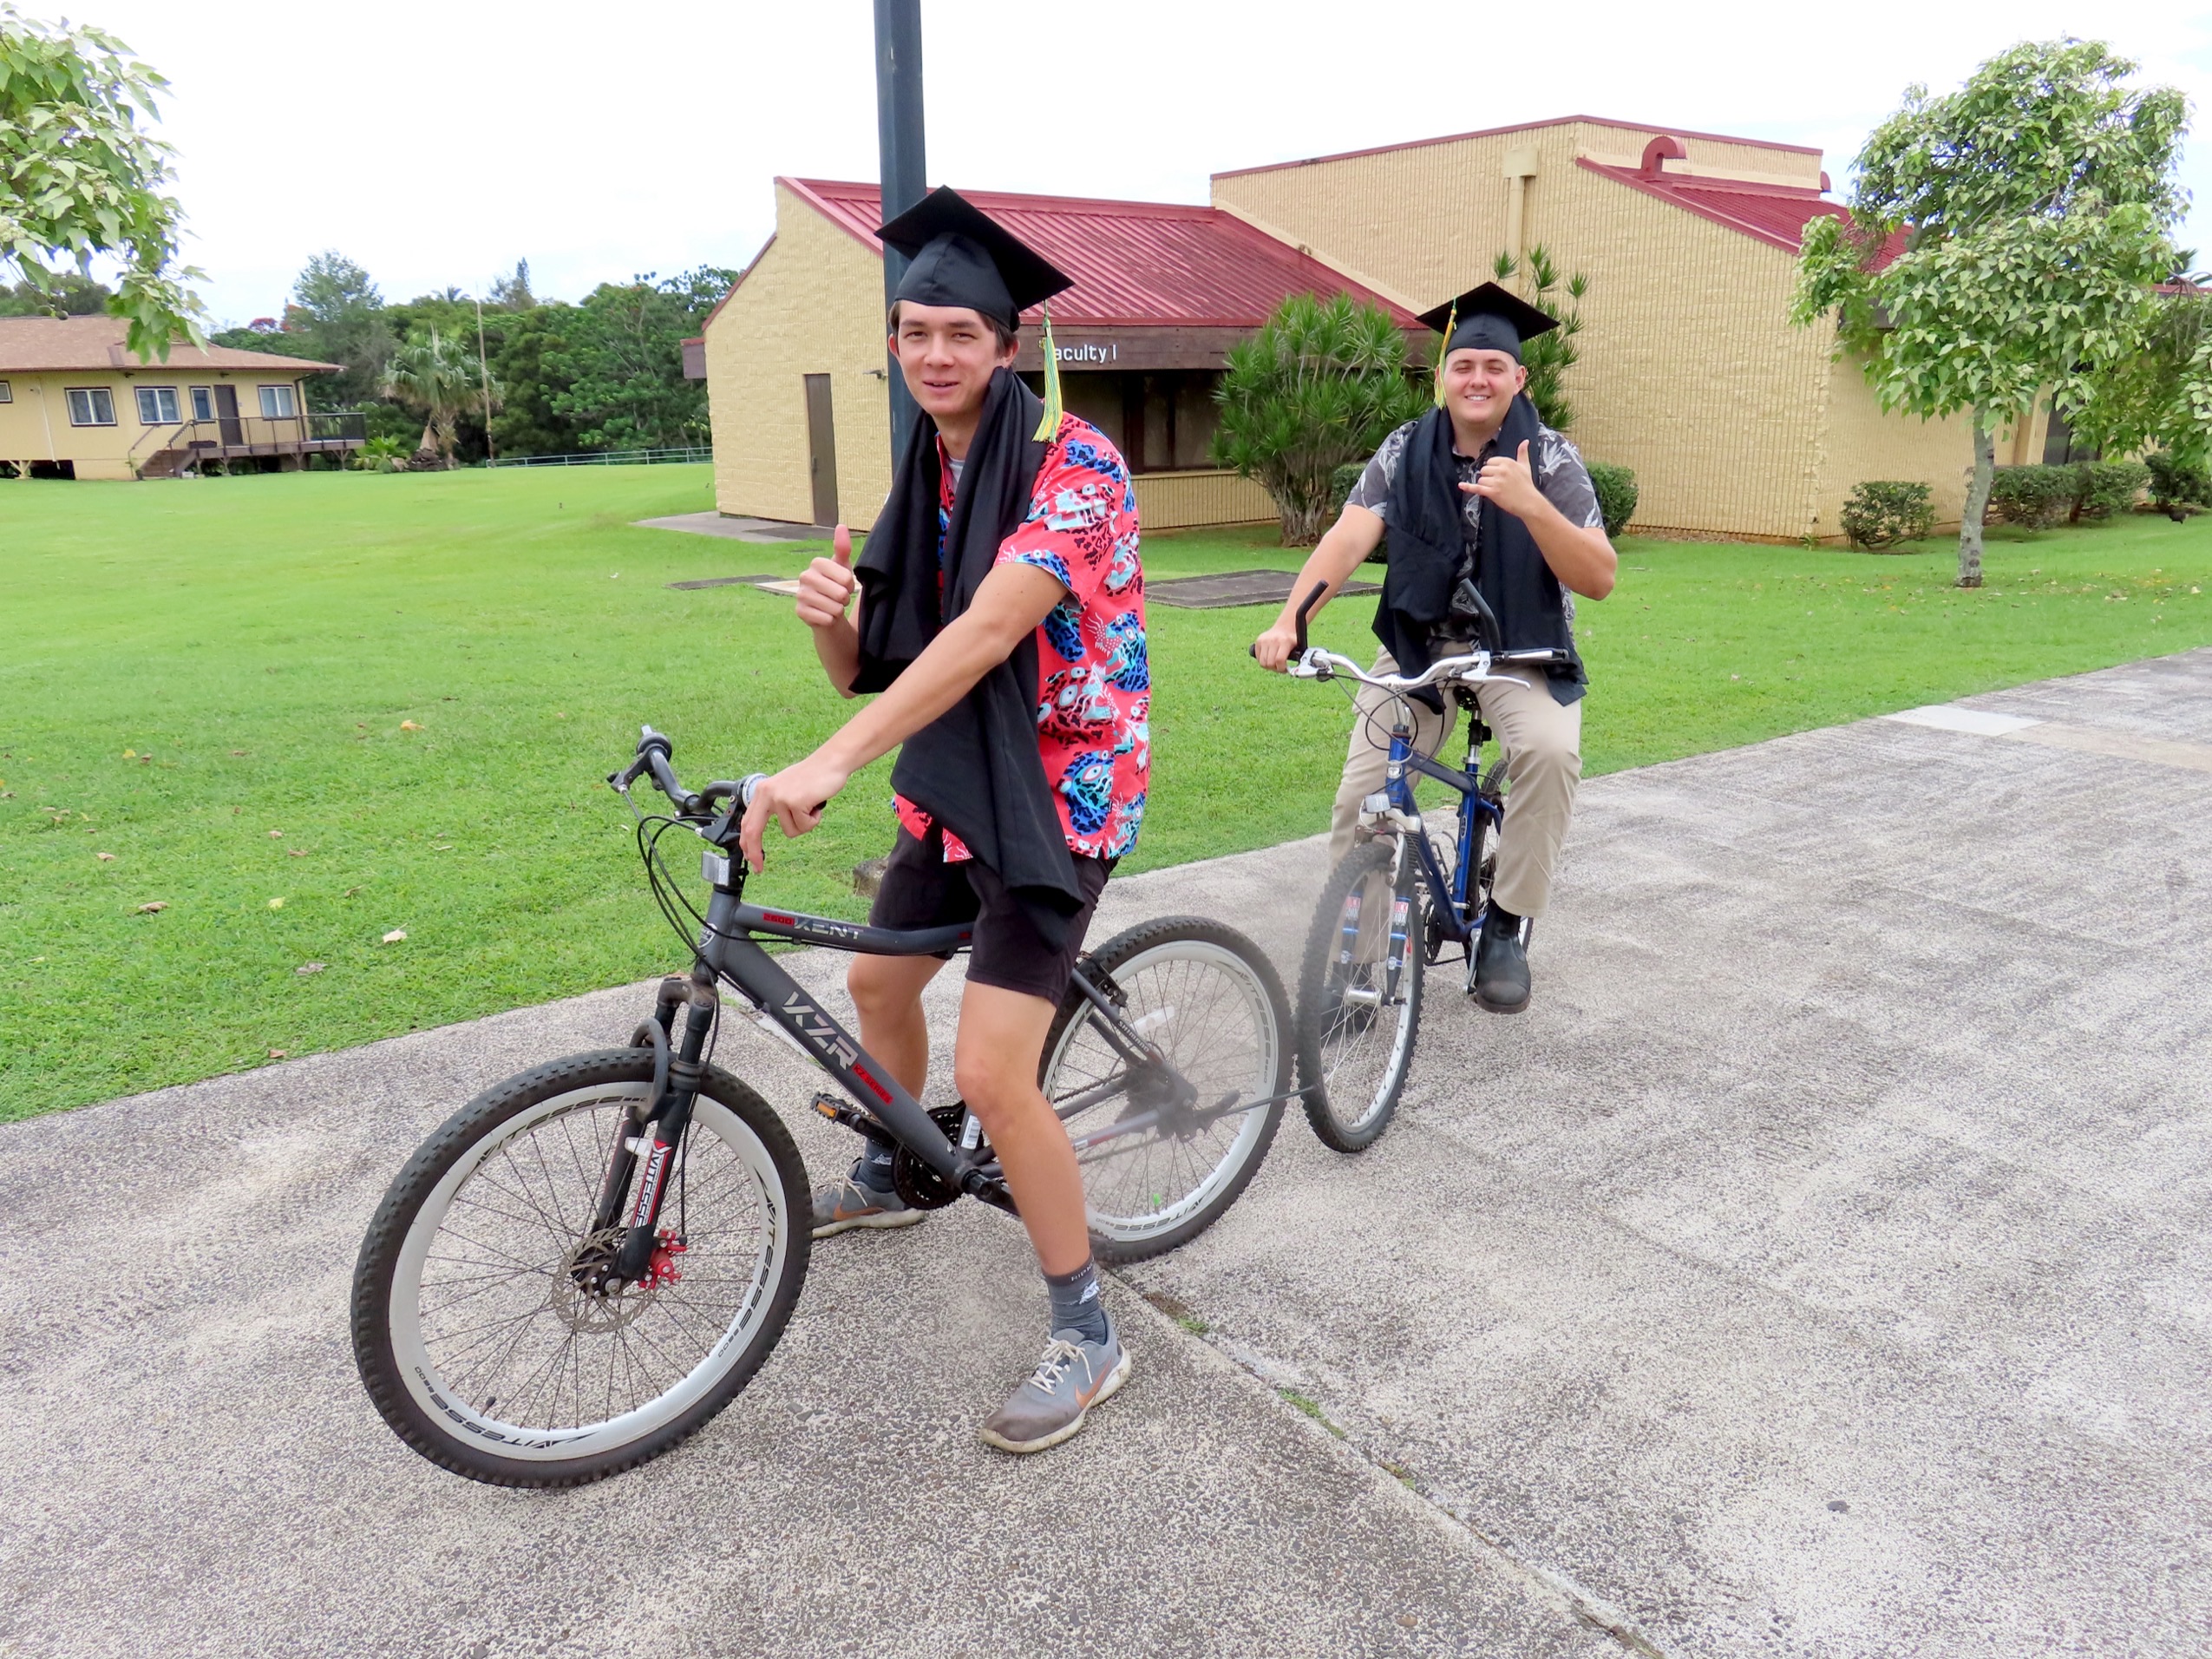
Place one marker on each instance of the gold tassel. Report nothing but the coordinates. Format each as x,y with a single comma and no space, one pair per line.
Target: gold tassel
1451,322
1049,425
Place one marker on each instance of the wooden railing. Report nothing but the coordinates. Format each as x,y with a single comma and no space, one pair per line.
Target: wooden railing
312,432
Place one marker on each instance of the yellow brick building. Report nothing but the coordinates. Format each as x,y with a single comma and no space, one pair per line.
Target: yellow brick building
75,403
1738,424
794,365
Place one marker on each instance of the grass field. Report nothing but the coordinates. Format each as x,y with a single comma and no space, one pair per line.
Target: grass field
301,712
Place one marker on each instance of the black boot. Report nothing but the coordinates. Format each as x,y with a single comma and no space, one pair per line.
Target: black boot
1500,982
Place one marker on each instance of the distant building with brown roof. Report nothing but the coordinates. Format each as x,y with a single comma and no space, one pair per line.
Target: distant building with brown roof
75,403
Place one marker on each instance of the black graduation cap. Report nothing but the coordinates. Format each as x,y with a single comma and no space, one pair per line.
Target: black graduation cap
1490,318
961,257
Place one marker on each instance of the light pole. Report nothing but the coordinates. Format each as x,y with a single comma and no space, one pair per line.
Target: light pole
484,382
899,138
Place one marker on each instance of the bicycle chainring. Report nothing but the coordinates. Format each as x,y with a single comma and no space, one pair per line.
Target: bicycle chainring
918,1184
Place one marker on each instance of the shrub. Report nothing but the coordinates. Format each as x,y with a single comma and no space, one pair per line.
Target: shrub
1320,385
2033,497
1616,487
2104,487
2176,483
1883,512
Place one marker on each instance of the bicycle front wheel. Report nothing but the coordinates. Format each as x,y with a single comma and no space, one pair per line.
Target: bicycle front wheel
1355,1028
1165,1150
476,1328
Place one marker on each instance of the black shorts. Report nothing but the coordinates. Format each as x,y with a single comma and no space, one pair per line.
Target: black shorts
921,890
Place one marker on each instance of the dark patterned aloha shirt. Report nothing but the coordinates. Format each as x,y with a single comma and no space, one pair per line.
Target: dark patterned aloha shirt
1094,698
1554,463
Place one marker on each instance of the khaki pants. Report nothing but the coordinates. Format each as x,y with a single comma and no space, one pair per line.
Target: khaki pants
1543,750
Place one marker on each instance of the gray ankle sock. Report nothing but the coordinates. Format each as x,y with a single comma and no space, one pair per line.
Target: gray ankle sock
1076,1304
874,1170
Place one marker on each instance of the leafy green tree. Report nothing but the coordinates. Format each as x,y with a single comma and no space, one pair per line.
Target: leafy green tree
2004,241
79,177
70,293
529,370
337,316
512,294
2155,398
1321,384
1548,357
622,357
437,378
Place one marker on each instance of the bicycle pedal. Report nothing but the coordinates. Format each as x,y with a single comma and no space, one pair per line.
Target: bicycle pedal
839,1111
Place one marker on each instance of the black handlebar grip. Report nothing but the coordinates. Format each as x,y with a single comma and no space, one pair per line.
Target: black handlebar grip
1307,610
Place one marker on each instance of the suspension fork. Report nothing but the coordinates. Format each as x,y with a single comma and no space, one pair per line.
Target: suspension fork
646,1146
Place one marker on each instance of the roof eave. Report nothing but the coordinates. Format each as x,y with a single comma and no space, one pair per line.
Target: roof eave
1656,188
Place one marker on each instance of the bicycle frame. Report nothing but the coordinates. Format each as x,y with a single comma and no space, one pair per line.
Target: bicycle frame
635,1185
1404,762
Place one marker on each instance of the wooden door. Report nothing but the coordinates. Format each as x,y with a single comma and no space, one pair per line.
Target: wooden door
822,450
232,429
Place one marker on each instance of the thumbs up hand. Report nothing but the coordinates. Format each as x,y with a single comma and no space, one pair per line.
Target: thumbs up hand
826,586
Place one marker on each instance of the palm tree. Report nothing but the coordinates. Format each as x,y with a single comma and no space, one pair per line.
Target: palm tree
438,380
1548,357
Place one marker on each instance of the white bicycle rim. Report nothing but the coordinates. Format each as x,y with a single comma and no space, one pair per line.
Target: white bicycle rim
751,1289
1190,1026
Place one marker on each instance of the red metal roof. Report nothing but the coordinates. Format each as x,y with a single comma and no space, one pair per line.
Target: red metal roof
1137,264
1524,126
1774,214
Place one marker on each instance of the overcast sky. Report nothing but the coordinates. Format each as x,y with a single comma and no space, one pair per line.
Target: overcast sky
437,144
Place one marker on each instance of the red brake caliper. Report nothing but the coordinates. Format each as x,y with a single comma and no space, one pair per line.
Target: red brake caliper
660,1266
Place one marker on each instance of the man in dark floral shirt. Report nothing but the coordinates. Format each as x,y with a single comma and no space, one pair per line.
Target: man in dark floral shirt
1557,548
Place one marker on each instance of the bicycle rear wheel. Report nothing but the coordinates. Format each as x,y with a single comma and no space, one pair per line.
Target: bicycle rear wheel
1355,1031
475,1330
1161,1166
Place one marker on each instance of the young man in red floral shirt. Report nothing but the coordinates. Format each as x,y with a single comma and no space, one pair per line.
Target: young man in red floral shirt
1002,619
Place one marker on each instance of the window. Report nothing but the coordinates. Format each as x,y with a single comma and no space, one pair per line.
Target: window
91,406
203,403
6,396
157,406
277,404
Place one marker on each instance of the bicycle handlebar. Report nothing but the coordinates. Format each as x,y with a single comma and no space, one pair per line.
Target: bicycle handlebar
1304,611
654,751
1473,666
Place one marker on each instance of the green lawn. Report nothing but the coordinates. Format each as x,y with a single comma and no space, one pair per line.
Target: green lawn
211,682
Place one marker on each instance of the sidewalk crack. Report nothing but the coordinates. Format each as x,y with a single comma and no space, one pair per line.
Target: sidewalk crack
1584,1605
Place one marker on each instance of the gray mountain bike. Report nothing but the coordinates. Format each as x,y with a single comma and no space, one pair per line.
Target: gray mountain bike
587,1262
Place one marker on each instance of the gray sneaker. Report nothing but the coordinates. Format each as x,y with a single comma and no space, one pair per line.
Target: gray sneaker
1073,1376
842,1205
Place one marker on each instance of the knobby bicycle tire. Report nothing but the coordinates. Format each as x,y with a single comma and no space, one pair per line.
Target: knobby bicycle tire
457,1439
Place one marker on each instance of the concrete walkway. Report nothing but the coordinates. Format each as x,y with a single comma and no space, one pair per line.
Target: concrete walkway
1820,1267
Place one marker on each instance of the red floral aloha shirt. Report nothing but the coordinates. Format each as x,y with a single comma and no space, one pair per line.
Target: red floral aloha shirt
1093,697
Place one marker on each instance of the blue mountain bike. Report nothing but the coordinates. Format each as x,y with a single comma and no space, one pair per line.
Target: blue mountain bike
1405,893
